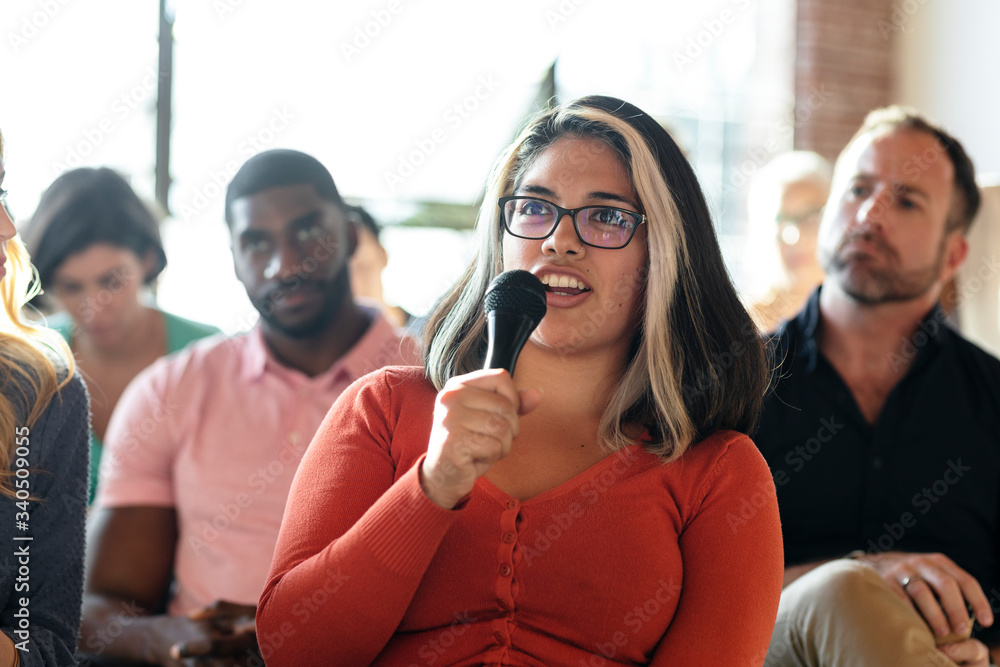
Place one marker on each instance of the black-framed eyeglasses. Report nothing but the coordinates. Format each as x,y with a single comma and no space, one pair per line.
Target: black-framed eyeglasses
597,226
790,227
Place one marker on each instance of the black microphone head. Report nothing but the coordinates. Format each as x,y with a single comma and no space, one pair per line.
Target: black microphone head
517,292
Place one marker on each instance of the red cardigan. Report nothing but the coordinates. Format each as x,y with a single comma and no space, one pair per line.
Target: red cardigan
632,562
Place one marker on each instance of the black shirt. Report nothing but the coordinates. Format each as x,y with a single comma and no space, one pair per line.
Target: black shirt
924,478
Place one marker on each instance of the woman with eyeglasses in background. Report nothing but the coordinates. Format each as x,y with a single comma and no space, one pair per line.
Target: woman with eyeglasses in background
43,473
785,206
97,247
604,506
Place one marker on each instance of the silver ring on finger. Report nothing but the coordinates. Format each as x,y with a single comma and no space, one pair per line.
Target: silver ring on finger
910,579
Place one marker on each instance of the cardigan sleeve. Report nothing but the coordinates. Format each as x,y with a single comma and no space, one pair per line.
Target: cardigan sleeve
733,565
51,562
355,541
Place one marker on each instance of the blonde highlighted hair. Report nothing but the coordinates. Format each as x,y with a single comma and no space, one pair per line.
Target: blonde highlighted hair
696,362
35,363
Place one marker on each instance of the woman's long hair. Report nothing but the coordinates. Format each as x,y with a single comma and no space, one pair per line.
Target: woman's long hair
697,364
35,362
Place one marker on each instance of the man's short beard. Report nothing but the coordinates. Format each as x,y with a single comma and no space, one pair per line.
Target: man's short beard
876,286
334,291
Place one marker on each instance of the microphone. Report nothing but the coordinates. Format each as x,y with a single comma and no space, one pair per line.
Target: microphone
514,305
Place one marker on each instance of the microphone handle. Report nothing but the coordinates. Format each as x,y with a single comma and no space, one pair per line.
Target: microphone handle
507,333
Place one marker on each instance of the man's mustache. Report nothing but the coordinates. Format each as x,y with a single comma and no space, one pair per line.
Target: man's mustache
279,292
867,236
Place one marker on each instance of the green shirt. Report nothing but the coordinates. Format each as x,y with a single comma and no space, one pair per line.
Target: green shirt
180,332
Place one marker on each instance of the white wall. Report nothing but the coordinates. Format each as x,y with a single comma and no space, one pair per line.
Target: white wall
948,58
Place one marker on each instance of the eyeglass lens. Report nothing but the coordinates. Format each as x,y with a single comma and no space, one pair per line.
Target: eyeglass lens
602,226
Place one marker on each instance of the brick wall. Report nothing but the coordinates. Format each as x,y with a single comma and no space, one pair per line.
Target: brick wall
843,69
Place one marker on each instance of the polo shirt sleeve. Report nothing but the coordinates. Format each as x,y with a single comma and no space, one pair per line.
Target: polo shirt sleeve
140,444
733,565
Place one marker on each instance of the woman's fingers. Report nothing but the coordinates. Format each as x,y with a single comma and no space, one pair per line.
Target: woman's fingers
530,399
475,422
478,410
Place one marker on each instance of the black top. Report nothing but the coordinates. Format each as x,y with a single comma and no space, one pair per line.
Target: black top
925,477
41,562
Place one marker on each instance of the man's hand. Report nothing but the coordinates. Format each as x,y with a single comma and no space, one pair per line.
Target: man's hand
937,588
227,636
968,653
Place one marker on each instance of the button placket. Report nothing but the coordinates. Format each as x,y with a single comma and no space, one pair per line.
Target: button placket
507,537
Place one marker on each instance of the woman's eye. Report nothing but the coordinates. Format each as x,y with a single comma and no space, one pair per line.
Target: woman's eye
610,216
534,208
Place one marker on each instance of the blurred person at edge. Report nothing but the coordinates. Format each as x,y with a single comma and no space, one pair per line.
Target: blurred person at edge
367,264
97,247
883,429
203,445
554,515
785,205
43,432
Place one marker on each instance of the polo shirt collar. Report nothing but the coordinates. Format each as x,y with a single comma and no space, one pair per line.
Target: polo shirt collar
255,355
377,346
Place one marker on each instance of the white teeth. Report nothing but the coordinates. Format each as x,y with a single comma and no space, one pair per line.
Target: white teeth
553,280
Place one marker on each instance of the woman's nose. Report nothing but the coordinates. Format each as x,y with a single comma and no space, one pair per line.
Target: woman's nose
564,240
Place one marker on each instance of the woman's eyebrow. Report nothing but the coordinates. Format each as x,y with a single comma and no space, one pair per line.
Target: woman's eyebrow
612,197
537,190
597,194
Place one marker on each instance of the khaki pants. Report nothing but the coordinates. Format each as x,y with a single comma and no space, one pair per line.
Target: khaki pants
843,614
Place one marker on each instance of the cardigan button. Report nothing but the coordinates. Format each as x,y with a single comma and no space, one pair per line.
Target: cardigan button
512,504
508,537
505,570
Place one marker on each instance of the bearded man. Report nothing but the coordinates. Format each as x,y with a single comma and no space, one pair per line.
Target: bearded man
203,446
883,429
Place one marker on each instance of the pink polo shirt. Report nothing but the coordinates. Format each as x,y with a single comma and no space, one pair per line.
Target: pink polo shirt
217,431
